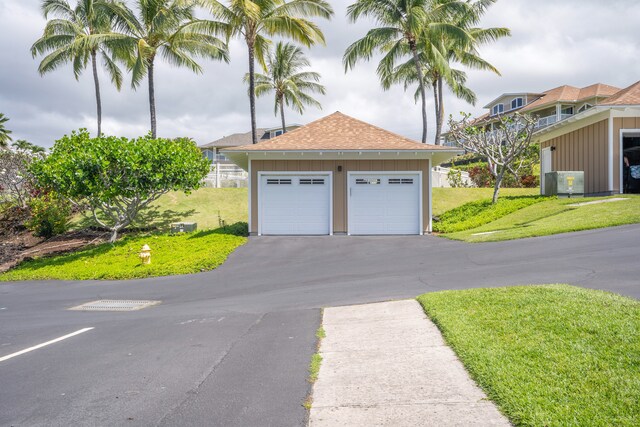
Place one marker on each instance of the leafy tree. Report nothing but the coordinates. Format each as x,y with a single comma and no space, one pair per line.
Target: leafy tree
503,147
169,29
4,132
79,35
255,20
284,78
402,28
117,177
16,186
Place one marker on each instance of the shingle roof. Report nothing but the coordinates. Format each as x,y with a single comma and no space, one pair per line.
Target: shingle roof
338,132
598,89
571,94
627,96
233,140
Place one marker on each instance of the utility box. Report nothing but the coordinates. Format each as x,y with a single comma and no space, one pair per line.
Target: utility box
564,184
183,227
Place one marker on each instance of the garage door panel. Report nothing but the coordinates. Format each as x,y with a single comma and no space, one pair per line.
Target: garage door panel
294,204
384,204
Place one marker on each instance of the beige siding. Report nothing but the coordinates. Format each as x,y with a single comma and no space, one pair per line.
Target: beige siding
618,125
339,181
585,149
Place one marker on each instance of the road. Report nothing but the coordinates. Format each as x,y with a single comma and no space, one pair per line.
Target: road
231,347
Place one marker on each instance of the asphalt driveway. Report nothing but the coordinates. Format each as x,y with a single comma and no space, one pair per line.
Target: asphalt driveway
231,347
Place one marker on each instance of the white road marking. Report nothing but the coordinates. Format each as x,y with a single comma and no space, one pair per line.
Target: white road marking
35,347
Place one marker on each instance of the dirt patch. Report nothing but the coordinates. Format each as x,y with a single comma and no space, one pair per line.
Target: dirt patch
19,244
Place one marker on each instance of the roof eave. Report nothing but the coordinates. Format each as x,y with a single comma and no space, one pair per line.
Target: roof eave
504,95
440,155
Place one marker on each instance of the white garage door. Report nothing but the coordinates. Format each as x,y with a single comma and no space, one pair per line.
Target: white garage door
294,204
384,204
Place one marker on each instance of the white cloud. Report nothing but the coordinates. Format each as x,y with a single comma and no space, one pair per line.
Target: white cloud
576,42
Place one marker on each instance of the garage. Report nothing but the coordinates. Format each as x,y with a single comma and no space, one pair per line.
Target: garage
384,203
295,204
339,176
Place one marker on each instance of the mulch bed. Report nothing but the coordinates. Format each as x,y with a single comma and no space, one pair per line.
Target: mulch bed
18,244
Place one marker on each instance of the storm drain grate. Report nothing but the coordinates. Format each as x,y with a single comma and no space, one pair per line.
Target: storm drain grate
115,305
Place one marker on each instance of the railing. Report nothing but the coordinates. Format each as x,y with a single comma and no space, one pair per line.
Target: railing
544,122
226,175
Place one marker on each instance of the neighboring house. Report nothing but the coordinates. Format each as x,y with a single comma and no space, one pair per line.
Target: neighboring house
588,129
339,175
224,171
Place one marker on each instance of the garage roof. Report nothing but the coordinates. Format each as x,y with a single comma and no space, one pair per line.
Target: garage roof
339,132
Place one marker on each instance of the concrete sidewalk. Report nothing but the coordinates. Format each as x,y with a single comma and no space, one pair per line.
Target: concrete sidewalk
386,364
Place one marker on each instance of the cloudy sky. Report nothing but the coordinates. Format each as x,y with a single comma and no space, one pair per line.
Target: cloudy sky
577,42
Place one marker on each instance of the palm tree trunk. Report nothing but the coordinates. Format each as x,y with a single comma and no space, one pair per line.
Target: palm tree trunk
97,86
152,101
423,94
284,126
252,93
436,100
440,117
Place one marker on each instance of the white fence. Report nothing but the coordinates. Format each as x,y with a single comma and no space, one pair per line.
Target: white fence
440,178
225,175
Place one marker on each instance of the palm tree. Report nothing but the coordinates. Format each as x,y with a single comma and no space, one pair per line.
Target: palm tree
403,23
77,35
285,79
4,132
255,20
465,54
169,29
437,59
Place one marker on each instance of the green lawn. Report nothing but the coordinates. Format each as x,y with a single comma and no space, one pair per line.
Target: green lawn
474,214
177,254
553,217
445,199
201,206
552,355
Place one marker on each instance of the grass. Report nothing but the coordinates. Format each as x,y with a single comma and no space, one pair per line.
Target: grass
552,355
314,366
554,217
476,213
201,206
445,199
170,255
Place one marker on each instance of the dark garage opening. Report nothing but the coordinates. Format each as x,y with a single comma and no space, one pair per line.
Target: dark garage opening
631,164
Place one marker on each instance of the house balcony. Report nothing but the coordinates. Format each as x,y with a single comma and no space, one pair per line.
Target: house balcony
547,121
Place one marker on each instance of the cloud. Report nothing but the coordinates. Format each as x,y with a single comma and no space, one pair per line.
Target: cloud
576,42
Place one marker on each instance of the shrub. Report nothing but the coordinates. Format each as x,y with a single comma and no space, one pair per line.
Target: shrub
238,229
474,214
118,177
481,176
455,179
530,181
50,215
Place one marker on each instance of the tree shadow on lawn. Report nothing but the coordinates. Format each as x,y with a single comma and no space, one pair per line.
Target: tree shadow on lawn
148,219
240,229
